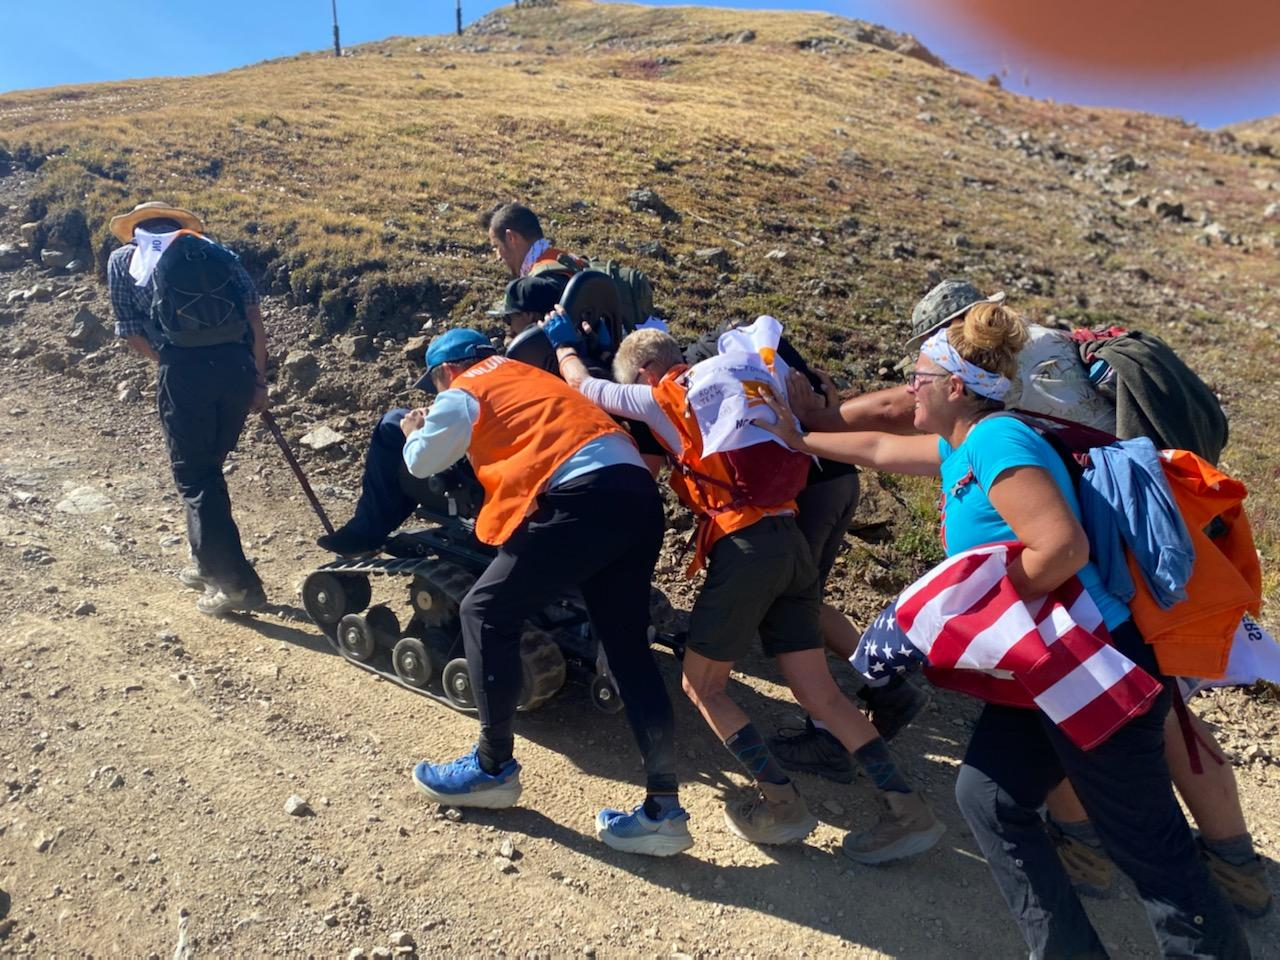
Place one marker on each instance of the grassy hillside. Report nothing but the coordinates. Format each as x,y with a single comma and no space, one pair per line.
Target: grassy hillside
840,168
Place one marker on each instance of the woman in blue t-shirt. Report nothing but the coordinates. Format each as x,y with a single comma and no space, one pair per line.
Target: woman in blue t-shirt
1001,481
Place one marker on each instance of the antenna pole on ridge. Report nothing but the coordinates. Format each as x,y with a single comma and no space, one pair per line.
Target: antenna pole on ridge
337,45
459,11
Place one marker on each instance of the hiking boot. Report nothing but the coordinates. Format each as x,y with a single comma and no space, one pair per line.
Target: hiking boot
193,578
1245,885
906,827
346,542
771,813
635,833
1091,871
463,783
892,708
218,601
810,750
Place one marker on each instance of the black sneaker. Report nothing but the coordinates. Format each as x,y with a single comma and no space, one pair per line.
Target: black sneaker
892,708
346,542
810,750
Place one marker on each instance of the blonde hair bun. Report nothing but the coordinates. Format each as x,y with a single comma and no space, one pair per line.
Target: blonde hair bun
990,336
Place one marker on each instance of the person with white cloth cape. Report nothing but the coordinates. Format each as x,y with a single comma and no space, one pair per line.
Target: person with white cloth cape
188,305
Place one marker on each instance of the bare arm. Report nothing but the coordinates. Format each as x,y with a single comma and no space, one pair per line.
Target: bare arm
1056,545
572,368
142,347
916,454
887,411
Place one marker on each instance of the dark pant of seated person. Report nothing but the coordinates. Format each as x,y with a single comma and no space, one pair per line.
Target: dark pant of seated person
388,495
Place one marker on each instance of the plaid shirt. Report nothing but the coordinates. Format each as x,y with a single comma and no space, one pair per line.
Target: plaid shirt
132,303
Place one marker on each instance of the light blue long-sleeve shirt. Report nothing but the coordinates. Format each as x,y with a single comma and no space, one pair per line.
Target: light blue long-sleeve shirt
445,436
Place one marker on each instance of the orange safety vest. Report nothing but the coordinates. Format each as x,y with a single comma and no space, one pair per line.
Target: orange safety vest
550,262
1193,638
703,485
530,423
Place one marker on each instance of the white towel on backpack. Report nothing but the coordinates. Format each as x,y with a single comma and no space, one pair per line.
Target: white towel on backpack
150,247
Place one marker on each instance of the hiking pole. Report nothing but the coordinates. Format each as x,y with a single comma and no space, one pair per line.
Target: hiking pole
274,427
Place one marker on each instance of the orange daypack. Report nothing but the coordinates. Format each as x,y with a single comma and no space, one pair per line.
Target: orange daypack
1193,638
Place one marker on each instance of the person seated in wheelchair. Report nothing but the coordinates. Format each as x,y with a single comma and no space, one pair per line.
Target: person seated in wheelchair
389,495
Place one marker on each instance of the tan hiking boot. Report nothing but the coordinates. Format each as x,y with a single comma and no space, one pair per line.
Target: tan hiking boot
1090,870
771,813
906,827
1244,884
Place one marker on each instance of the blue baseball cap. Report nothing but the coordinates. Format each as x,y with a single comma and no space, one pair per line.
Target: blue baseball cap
451,347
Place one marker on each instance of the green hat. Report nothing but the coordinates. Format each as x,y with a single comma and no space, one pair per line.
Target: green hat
941,305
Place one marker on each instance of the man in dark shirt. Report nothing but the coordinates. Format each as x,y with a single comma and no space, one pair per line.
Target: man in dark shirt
204,394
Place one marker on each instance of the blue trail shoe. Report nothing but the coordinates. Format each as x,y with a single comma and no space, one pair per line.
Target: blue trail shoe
462,783
635,833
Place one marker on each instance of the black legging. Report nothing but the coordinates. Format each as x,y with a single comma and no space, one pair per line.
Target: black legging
600,533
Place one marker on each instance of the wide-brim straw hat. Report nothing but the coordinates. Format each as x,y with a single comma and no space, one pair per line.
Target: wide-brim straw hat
122,226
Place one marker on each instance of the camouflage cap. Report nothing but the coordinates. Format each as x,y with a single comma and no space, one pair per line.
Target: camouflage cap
943,304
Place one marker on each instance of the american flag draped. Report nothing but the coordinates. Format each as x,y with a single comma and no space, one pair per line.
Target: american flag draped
965,621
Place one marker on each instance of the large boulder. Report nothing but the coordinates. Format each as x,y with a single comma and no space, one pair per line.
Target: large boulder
55,259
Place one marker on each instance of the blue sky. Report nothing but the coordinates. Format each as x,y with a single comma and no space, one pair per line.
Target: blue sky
78,41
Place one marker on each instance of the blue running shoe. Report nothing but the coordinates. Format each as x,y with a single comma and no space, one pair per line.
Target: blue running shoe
462,783
635,833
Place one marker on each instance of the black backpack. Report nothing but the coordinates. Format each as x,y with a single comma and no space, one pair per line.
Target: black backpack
635,292
194,300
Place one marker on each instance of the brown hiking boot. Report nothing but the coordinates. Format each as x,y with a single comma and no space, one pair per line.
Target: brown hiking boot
771,813
1090,870
1244,884
906,827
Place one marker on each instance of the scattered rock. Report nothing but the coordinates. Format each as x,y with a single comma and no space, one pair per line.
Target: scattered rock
357,953
84,608
322,438
777,254
415,349
10,257
116,782
504,865
644,200
330,919
717,257
295,806
745,36
87,331
1272,210
507,849
127,393
355,346
40,293
84,501
55,259
1216,231
833,808
42,843
300,370
51,361
1168,210
652,248
402,938
380,953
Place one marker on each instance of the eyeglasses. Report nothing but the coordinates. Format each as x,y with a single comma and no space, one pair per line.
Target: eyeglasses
915,376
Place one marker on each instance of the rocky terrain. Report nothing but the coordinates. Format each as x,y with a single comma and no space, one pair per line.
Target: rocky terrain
817,168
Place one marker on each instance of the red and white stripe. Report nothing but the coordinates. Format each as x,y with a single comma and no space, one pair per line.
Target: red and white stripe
1051,653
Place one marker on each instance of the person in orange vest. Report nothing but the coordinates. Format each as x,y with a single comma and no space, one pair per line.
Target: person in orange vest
761,578
556,473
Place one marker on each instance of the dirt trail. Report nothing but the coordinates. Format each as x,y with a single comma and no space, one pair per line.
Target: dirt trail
148,753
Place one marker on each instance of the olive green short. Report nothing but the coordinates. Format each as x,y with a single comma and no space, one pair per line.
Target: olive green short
760,580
